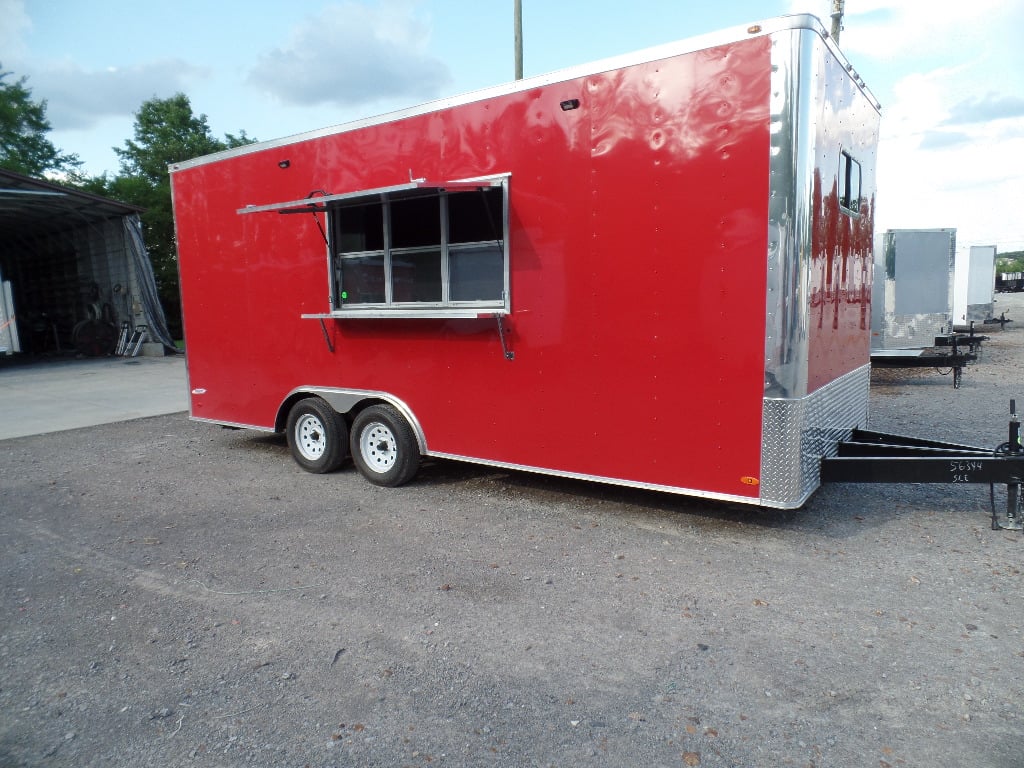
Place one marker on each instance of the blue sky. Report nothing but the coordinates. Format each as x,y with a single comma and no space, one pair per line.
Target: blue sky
949,74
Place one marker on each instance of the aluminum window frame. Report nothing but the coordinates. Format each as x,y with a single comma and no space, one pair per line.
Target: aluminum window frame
446,306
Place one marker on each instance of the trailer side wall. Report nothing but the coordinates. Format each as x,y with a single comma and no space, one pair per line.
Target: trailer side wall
637,223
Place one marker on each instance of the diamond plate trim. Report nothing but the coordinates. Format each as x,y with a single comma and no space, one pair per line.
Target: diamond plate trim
797,432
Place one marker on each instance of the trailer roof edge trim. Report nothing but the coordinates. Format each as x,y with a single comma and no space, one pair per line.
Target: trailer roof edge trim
687,45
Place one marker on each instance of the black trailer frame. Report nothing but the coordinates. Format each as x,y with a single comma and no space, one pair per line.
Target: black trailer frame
971,340
876,457
955,360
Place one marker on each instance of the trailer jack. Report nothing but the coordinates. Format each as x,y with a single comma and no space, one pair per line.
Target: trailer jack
875,457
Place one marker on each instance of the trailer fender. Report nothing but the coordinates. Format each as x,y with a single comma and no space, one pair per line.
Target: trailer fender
349,402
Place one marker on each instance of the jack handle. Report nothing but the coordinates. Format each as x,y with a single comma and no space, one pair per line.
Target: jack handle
1014,519
1015,445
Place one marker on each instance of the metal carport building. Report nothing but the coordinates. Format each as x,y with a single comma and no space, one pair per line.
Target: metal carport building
74,271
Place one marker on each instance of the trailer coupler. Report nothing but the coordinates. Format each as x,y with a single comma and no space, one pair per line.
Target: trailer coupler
875,457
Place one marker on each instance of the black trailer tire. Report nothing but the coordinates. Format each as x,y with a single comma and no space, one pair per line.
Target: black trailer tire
384,448
317,436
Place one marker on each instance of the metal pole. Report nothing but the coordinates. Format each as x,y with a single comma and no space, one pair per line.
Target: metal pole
1013,490
518,33
837,18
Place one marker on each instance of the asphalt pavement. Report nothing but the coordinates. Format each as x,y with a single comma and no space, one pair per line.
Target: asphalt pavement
176,594
53,395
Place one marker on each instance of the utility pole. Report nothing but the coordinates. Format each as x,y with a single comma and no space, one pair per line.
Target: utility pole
518,34
837,18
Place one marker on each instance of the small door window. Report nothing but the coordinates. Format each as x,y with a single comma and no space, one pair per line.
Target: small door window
849,184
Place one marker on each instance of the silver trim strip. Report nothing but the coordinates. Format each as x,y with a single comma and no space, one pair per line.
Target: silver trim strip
232,424
431,313
689,45
789,218
679,491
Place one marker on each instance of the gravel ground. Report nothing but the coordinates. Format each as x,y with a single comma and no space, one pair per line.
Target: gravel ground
174,594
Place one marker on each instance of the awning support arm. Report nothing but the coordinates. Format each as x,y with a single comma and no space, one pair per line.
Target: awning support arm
327,337
509,354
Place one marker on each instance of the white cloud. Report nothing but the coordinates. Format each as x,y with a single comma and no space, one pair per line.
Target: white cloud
15,23
77,98
967,176
353,54
990,106
902,29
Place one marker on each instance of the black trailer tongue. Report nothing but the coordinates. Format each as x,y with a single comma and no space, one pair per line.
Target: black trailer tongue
876,457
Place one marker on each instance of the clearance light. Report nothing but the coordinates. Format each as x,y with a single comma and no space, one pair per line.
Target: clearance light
748,480
753,29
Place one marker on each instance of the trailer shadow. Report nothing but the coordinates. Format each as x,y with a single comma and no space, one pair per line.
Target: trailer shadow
834,511
837,511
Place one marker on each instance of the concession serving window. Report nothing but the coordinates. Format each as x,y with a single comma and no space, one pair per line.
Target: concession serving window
415,250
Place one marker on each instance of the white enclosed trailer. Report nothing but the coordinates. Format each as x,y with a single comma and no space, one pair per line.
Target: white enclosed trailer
974,283
911,295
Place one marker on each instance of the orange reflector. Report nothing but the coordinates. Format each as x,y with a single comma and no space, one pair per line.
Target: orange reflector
753,30
748,480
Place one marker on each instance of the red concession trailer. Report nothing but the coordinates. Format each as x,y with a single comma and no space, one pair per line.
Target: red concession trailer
652,271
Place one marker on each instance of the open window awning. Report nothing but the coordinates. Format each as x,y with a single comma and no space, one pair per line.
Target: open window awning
316,202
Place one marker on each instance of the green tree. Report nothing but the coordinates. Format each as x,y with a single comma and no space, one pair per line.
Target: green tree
166,132
1012,261
24,146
